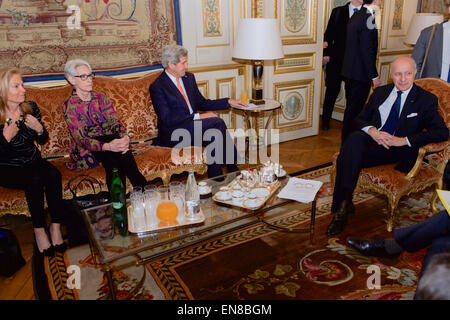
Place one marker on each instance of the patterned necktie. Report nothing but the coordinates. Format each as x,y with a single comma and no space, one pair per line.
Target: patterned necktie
182,92
391,122
355,10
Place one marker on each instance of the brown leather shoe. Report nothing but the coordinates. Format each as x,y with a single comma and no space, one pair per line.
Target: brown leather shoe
339,221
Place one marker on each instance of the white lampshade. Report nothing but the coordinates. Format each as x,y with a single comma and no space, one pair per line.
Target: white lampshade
419,22
258,39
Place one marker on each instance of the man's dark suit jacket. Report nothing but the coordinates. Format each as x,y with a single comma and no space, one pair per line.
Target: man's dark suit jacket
335,35
171,108
361,47
419,113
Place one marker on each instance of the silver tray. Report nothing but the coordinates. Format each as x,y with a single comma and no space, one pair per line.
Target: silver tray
245,204
181,222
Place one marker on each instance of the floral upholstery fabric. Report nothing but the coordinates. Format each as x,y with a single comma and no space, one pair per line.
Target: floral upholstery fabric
131,100
394,181
50,102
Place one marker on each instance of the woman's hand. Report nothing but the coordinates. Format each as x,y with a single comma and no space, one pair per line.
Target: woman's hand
33,123
10,131
118,145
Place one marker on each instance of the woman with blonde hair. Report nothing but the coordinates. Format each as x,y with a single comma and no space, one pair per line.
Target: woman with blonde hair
21,164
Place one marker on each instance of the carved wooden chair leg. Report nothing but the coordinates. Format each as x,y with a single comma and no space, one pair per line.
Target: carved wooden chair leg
166,178
393,202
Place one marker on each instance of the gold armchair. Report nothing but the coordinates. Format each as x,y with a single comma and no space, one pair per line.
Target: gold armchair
394,184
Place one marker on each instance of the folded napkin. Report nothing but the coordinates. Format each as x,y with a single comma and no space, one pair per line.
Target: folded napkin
300,190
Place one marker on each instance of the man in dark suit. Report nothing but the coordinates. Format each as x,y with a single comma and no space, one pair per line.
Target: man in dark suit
391,129
176,99
333,55
359,68
433,233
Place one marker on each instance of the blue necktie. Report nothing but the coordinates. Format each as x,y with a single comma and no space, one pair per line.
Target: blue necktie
355,10
391,122
448,77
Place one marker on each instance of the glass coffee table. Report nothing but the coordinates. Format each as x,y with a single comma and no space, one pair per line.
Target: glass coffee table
109,247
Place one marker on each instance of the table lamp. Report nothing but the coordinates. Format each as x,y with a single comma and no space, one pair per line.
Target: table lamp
258,39
419,22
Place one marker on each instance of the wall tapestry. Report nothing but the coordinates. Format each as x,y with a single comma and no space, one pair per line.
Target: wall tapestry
434,6
119,36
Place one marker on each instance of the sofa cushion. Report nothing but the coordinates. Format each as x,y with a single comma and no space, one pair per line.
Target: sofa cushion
50,102
394,181
132,102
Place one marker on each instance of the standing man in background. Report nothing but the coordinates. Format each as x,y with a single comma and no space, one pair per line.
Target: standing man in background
333,55
359,69
438,60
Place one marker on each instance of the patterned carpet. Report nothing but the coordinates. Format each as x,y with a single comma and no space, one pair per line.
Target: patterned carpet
261,263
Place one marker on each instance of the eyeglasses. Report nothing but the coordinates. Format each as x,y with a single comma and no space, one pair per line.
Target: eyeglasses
85,76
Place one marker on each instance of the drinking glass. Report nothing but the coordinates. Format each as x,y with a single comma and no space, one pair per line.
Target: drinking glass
167,210
177,195
151,200
138,213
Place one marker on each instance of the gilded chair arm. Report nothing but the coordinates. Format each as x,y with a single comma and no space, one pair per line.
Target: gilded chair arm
436,147
412,173
429,148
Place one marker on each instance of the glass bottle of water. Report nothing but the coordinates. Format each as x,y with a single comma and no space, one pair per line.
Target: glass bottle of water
192,197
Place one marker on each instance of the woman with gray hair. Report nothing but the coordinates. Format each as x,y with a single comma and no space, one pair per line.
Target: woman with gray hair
98,135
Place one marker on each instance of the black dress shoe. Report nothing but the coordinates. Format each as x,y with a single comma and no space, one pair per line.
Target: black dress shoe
370,247
325,126
339,221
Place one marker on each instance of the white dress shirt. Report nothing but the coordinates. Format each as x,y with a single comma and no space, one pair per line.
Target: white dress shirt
351,11
385,108
174,80
445,51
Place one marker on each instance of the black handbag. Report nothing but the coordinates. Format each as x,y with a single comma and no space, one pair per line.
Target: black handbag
11,258
77,233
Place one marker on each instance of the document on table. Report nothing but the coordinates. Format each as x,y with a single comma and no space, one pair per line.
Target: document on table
445,199
300,190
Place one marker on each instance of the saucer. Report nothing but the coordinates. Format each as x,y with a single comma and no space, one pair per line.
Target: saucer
223,195
253,203
237,194
260,192
204,190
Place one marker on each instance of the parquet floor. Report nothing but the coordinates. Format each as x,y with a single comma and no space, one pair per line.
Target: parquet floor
295,155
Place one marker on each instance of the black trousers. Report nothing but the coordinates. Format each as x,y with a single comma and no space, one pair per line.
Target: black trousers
356,93
361,151
333,87
36,180
126,165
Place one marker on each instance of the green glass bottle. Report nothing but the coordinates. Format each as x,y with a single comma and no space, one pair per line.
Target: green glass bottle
119,203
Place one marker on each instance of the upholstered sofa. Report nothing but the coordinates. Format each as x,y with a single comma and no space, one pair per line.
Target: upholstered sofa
131,100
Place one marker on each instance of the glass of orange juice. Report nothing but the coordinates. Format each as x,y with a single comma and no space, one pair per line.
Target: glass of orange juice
167,210
244,97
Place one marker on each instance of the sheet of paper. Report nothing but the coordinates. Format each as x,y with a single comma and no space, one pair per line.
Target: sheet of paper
445,199
300,190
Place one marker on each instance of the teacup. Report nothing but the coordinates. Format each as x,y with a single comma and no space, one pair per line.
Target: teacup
203,187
